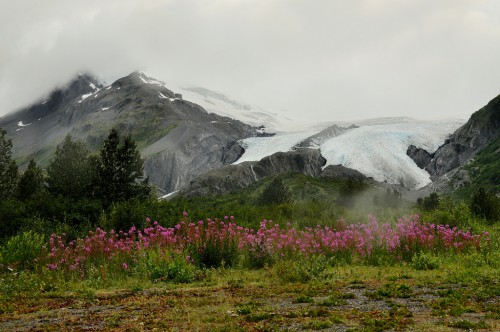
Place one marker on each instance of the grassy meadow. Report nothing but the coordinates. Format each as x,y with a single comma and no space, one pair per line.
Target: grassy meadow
319,266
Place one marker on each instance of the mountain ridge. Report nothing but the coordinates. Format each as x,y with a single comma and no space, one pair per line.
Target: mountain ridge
181,140
194,141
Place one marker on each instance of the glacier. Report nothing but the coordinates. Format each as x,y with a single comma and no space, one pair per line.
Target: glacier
377,150
377,147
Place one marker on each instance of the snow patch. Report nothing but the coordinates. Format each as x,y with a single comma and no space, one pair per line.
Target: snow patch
143,79
220,104
105,108
92,85
21,124
19,129
45,102
109,87
169,194
261,130
149,80
162,96
85,96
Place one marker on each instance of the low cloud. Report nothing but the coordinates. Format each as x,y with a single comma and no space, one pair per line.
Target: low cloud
327,60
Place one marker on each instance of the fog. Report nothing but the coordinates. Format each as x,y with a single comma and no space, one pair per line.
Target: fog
324,59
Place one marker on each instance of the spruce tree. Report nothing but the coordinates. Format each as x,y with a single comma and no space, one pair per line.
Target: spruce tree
121,172
8,168
108,169
131,177
70,172
30,182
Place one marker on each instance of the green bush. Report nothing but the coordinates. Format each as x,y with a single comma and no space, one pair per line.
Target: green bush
166,266
425,261
303,269
275,193
216,252
21,251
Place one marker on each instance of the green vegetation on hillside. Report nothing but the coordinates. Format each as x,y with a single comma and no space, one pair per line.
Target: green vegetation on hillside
484,170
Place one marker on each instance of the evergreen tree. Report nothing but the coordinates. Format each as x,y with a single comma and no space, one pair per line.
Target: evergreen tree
30,182
121,172
70,172
108,170
131,176
486,204
275,193
8,168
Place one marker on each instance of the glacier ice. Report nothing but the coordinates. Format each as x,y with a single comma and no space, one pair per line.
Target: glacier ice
377,151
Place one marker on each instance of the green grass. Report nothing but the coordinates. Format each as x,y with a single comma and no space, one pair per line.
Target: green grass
233,298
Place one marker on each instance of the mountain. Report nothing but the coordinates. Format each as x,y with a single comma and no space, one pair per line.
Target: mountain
481,129
181,140
178,139
34,130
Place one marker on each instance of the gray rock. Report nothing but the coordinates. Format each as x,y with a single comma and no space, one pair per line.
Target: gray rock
231,178
482,128
340,172
321,137
420,156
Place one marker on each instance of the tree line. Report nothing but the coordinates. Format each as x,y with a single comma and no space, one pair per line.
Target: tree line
77,187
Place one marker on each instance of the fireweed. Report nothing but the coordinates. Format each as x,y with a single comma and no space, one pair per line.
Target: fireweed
222,242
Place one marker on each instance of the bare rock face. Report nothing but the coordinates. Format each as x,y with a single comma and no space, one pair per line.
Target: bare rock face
340,172
482,128
321,137
419,156
231,178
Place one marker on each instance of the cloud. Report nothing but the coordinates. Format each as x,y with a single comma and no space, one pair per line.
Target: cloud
330,60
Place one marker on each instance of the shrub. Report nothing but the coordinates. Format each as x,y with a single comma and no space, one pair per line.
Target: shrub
425,261
303,269
169,266
429,203
22,250
275,193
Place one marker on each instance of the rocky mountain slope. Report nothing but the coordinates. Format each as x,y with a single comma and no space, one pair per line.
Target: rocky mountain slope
178,139
231,178
482,129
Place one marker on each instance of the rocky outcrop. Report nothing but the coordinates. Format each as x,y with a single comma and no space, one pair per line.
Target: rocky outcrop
232,178
482,128
321,137
419,156
340,172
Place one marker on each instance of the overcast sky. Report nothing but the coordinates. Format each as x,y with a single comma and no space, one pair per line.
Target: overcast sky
311,59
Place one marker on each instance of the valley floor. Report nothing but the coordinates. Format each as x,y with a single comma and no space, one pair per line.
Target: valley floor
345,298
